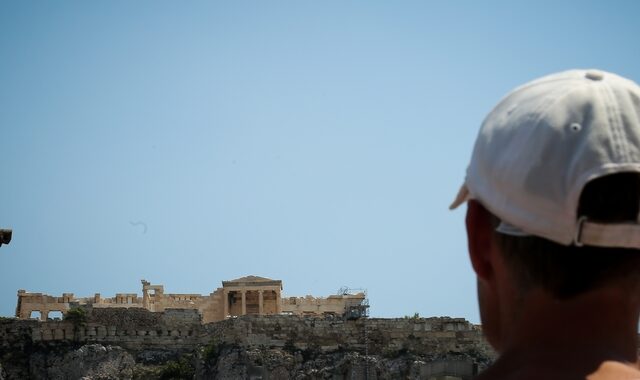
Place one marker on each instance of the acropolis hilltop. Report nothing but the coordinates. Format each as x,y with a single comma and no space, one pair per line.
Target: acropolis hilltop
245,329
250,295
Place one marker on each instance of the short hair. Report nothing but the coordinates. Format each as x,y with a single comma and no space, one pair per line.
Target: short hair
568,271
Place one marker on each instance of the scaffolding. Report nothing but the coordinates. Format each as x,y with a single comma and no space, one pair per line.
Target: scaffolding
358,308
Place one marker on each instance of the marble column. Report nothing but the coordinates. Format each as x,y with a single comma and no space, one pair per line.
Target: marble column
260,302
225,296
278,302
244,302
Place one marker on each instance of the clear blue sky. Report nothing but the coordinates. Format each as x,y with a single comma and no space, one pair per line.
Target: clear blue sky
316,142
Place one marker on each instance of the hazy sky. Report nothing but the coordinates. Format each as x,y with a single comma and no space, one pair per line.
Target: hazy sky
316,142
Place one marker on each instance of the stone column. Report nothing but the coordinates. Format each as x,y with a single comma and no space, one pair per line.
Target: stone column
260,303
225,296
244,302
19,310
44,315
278,302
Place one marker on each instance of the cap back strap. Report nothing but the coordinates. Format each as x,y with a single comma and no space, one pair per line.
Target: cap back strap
620,235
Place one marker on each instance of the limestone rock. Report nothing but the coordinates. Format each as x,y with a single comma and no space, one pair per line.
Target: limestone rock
278,347
89,362
228,367
156,356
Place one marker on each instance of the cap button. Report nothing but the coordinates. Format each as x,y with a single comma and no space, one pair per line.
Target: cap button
594,75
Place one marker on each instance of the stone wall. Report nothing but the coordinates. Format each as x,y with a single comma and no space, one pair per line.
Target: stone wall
133,329
367,335
181,329
309,305
438,342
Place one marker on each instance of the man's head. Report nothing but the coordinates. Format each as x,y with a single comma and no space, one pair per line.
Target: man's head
554,190
568,271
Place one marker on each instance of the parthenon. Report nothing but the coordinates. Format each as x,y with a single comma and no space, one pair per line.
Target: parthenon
242,296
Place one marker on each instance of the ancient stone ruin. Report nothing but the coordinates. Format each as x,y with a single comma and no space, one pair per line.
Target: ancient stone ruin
250,295
243,330
134,343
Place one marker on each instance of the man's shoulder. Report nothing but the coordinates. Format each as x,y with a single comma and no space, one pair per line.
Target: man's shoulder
610,370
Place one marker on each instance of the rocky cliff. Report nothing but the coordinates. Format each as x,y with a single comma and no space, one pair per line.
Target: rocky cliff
137,344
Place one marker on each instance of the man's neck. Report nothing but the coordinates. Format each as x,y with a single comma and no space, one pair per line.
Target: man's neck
570,336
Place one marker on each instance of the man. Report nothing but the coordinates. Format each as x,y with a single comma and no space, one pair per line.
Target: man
553,193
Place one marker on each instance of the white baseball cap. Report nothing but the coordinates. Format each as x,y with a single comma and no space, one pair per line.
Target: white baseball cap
540,146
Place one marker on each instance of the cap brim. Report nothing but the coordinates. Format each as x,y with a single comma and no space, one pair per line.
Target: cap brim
462,197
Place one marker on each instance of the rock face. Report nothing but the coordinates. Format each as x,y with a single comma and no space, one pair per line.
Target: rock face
176,345
277,364
93,361
98,362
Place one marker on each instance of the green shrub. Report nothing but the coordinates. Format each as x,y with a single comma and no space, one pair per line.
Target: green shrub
289,346
77,316
211,351
178,370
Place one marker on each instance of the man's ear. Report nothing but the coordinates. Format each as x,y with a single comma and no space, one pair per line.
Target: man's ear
479,239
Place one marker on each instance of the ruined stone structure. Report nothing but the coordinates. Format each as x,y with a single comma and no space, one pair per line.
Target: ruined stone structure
251,295
247,347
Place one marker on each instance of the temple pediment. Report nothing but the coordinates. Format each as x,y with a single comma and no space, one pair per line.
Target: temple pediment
251,281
